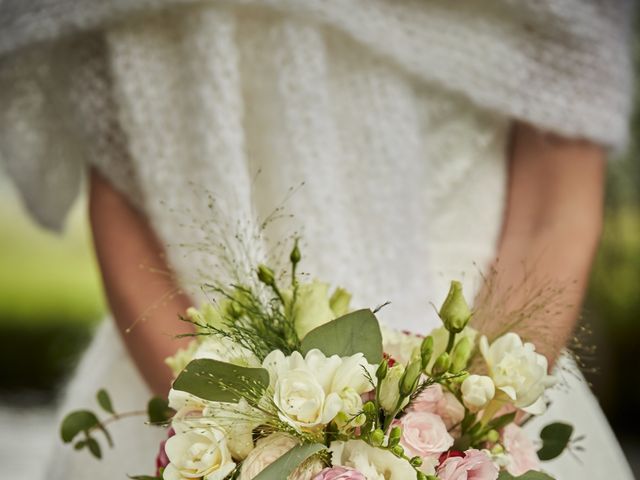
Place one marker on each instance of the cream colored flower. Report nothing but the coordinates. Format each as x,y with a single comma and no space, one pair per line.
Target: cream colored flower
373,463
198,453
477,392
307,389
350,415
400,346
518,372
271,448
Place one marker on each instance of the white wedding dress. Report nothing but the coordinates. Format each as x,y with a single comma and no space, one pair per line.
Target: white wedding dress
404,177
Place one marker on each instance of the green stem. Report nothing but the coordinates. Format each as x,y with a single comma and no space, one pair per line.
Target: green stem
452,342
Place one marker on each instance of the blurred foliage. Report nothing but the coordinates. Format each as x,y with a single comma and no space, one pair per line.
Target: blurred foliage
50,301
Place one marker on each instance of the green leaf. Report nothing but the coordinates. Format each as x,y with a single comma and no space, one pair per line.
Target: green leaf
530,475
287,463
94,447
105,401
502,421
221,382
355,332
79,445
158,411
555,438
76,422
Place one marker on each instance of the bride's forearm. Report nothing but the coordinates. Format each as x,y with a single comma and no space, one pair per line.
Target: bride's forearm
551,231
143,297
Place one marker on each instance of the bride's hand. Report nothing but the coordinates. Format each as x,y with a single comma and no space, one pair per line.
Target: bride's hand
145,304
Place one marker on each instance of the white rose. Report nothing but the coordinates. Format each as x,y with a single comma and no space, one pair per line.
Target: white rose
302,402
271,448
390,388
518,372
198,453
373,463
307,389
477,392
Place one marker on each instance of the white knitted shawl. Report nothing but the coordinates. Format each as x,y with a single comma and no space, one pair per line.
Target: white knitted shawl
562,65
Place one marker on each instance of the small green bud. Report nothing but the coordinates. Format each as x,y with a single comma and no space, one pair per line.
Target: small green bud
266,275
497,449
461,354
234,310
369,409
492,436
416,461
377,437
432,477
426,351
410,378
421,476
394,436
295,255
455,312
397,450
443,362
382,370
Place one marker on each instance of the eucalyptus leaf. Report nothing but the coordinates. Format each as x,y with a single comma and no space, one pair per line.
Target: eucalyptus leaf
287,463
530,475
104,401
76,422
555,438
158,411
94,447
355,332
220,381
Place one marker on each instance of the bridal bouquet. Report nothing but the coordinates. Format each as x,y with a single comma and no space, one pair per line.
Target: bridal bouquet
284,381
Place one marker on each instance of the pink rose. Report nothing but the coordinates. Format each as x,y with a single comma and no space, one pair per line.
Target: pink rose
443,404
424,434
522,452
162,460
339,473
474,465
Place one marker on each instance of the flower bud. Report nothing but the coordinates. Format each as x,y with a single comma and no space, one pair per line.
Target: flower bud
295,255
369,409
410,378
390,388
443,362
426,351
382,370
394,436
266,275
477,392
416,461
497,449
455,312
398,450
461,354
421,476
377,437
493,436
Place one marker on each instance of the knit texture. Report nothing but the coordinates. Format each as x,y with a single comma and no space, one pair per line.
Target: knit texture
394,114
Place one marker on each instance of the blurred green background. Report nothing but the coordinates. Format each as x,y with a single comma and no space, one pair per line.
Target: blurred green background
51,300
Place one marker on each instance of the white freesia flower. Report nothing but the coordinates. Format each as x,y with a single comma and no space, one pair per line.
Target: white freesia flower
271,448
350,415
390,388
518,372
477,392
198,453
373,463
307,389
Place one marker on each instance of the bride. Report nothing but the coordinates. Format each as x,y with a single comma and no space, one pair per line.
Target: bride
431,140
